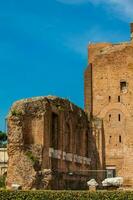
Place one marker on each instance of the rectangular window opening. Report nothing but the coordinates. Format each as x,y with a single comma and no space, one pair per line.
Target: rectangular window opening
119,117
123,86
109,98
110,137
54,136
119,99
87,144
120,139
109,117
111,173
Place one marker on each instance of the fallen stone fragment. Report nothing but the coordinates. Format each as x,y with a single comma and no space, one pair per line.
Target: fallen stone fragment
92,182
116,181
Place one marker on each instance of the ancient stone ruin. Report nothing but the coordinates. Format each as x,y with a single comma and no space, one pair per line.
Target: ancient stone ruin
55,144
109,99
48,144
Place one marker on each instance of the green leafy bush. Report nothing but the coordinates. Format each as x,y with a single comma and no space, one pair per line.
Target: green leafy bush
64,195
3,136
3,139
30,155
16,113
2,181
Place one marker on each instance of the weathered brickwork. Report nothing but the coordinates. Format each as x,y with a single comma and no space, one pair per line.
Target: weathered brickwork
54,144
109,99
49,144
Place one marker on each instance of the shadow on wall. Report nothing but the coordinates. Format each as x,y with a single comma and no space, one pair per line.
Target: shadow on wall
97,148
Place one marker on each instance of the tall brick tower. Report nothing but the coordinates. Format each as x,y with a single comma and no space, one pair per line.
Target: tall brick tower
109,104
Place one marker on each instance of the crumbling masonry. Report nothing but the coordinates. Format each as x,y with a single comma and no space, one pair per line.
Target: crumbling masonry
54,144
109,99
49,144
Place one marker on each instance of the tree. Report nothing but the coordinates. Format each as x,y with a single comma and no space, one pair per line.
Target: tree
3,139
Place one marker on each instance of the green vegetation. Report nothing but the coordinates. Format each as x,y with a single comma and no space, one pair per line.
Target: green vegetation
3,139
3,136
16,113
2,181
30,155
64,195
60,107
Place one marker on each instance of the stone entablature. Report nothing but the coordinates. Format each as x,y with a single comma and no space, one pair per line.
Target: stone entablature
58,154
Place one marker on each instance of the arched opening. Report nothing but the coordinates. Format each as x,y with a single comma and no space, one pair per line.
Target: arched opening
67,138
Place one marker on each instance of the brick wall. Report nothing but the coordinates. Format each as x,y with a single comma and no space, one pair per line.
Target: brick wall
49,144
112,88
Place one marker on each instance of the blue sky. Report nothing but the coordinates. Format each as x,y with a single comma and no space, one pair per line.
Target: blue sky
43,45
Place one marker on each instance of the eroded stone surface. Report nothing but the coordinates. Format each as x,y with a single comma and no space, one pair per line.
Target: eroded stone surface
48,139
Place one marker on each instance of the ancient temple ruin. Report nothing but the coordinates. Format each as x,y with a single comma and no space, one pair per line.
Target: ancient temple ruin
49,144
54,144
109,99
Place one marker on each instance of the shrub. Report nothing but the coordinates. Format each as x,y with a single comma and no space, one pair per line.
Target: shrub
3,136
3,139
16,113
65,195
30,155
2,181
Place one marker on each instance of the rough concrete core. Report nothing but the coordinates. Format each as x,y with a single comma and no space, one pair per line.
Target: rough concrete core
44,135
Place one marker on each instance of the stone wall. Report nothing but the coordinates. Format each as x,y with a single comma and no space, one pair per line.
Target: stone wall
49,144
112,103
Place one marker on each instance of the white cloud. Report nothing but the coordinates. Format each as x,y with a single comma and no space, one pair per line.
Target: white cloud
122,8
